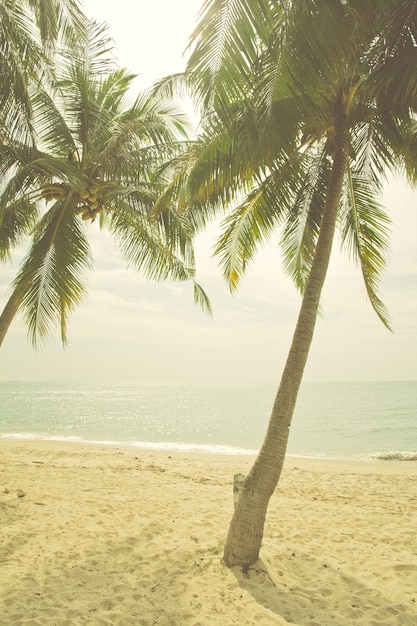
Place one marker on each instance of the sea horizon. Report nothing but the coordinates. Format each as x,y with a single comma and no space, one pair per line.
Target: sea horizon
362,420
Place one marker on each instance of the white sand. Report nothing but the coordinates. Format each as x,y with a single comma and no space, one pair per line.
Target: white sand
131,538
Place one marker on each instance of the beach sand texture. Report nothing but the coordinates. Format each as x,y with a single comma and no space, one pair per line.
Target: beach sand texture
97,535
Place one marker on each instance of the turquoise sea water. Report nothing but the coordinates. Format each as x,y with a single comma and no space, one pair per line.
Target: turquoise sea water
332,420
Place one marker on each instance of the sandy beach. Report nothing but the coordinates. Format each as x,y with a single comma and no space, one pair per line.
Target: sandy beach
97,535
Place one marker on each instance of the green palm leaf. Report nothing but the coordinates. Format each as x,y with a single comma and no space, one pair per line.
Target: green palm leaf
224,45
303,219
52,278
365,234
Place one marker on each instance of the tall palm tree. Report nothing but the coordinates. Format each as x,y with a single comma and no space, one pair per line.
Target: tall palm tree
98,157
292,120
31,32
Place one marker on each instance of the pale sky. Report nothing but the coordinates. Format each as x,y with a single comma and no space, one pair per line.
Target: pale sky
130,329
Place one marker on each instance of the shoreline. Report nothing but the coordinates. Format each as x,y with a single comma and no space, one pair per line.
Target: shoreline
374,465
119,536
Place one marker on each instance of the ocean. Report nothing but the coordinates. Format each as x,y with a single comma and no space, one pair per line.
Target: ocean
356,421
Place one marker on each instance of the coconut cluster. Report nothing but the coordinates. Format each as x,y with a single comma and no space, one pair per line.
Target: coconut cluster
89,198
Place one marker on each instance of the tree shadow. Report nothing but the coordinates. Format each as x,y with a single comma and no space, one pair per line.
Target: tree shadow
308,593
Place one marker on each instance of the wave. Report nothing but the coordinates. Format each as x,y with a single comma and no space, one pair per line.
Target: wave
395,456
147,445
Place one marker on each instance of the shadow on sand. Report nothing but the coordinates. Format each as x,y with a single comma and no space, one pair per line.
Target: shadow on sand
308,593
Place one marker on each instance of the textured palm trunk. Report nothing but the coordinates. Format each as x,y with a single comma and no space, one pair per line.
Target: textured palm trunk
8,315
247,526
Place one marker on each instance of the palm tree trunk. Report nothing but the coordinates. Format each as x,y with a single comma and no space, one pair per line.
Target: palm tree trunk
246,529
8,314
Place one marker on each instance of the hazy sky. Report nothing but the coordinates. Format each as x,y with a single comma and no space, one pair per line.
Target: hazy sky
130,329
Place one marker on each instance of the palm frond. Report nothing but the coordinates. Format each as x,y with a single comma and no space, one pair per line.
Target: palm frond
51,126
250,225
17,219
223,47
51,281
144,249
142,246
302,226
410,151
365,235
58,20
393,56
201,298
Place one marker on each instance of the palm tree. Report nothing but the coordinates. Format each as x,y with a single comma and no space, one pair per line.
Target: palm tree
98,157
27,54
293,121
